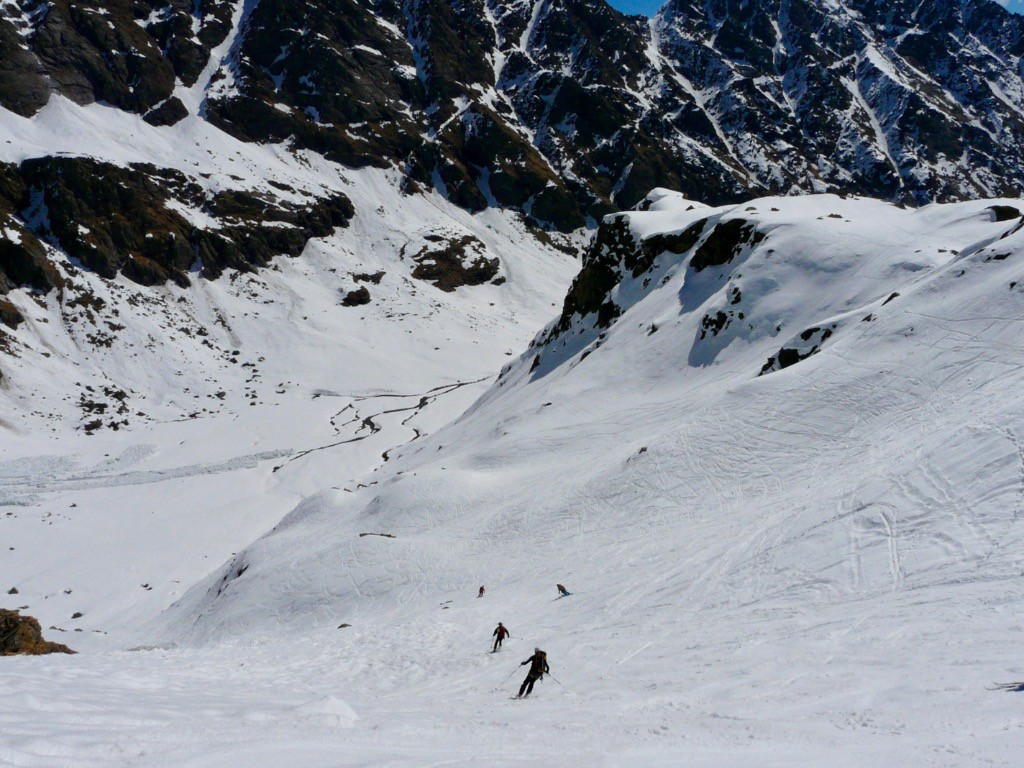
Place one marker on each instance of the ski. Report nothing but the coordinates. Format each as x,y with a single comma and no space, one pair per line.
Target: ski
1017,687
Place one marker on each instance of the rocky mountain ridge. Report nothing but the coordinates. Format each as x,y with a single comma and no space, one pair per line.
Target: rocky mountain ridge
566,109
164,141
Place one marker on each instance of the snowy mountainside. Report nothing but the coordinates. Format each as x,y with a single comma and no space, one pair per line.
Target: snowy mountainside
813,556
218,138
194,412
786,340
145,280
815,560
562,109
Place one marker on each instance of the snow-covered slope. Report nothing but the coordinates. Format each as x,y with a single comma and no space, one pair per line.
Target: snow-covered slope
773,559
797,339
150,418
299,122
248,276
171,350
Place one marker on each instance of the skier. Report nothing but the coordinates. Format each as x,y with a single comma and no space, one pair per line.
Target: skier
562,591
499,634
481,592
538,667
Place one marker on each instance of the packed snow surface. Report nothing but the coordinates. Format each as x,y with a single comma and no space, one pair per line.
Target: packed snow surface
816,563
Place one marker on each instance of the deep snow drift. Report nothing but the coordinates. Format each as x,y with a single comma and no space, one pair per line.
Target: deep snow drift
806,561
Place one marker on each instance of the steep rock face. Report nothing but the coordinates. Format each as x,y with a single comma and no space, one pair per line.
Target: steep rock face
719,98
566,110
544,110
126,53
23,258
389,85
186,31
328,75
135,221
587,83
23,88
912,101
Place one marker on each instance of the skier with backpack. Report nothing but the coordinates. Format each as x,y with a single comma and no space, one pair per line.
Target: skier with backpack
499,634
538,668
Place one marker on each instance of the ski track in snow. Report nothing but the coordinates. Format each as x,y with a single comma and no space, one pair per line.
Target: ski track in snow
371,422
22,480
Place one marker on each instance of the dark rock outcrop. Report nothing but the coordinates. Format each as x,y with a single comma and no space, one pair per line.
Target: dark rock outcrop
23,635
724,243
356,298
126,53
114,219
23,88
809,343
326,75
454,263
166,113
612,252
24,261
9,314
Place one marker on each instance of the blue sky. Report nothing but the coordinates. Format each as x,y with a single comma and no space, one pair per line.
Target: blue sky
650,6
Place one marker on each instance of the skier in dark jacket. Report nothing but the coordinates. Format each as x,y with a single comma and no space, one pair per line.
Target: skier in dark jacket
562,591
538,667
499,634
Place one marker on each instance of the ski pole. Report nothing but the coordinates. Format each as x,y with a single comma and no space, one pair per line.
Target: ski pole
557,681
509,678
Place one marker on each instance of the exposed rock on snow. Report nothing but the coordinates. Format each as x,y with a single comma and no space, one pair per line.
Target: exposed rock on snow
126,54
449,264
22,635
808,343
357,297
134,221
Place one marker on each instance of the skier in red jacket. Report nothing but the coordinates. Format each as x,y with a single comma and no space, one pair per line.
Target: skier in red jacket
481,592
499,634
